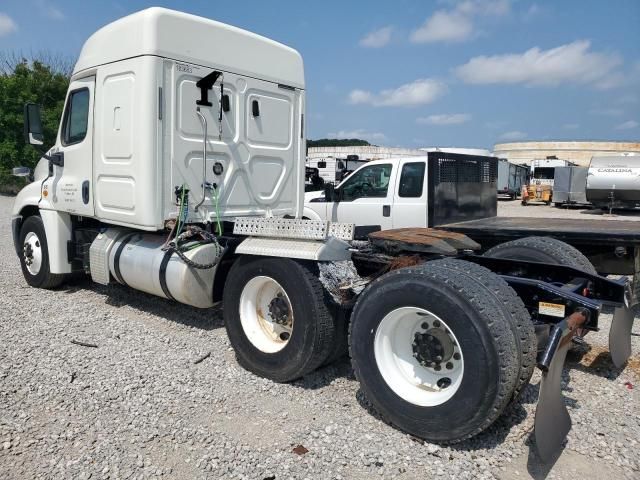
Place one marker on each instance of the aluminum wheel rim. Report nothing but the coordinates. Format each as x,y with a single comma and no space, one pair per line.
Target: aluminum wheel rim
32,253
399,367
259,325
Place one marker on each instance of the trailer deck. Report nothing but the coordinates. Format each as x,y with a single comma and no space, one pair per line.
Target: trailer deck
492,230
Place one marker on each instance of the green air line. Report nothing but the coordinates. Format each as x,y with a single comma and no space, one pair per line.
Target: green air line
180,213
218,224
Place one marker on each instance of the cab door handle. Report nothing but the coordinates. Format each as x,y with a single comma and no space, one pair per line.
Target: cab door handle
386,210
85,191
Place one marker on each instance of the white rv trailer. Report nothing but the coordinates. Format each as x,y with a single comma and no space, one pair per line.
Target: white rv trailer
334,170
178,170
542,170
614,181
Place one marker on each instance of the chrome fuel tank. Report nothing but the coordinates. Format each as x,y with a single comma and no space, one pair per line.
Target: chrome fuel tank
137,259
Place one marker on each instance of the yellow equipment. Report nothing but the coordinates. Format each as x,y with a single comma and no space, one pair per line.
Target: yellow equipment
537,193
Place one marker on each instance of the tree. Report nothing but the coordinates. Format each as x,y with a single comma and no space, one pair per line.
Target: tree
337,142
27,82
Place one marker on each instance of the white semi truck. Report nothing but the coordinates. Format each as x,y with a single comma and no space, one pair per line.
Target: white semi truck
178,170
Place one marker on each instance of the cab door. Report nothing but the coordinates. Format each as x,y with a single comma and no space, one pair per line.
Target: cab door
365,197
410,198
70,187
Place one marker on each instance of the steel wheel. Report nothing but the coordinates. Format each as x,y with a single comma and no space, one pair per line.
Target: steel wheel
32,253
418,356
266,314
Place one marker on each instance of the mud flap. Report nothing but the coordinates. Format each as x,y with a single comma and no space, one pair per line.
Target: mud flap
620,335
552,422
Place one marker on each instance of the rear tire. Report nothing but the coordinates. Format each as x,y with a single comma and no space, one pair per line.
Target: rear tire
514,310
400,309
34,256
542,249
341,316
276,316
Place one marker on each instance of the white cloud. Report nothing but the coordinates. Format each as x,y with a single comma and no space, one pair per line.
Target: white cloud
445,119
513,135
359,133
418,92
443,26
570,63
377,38
457,25
360,96
628,125
7,25
50,10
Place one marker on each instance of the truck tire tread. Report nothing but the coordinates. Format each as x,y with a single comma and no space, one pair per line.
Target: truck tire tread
461,285
306,293
45,279
547,249
521,324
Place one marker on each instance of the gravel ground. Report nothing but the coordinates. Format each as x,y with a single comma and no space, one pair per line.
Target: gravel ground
139,407
513,208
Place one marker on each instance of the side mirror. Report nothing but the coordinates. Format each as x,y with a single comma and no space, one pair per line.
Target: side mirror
22,172
331,194
33,133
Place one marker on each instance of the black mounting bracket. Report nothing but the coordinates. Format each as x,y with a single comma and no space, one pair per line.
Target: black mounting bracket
205,84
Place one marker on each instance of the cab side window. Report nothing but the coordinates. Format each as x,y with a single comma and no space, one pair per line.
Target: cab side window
76,117
411,180
368,182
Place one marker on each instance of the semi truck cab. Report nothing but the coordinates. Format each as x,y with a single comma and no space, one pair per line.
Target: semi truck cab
151,95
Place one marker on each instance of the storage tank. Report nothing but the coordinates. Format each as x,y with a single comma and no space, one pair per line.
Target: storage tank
614,181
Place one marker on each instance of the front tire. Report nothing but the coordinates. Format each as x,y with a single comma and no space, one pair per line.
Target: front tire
276,316
395,356
34,255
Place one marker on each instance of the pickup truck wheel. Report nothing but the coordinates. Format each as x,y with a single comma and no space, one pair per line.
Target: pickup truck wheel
34,257
276,317
513,308
433,352
542,249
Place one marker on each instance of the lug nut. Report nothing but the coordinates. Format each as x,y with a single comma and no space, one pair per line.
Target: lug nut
437,368
284,336
438,358
443,382
456,356
436,323
449,365
425,325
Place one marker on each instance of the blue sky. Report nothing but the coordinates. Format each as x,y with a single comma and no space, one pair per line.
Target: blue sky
418,73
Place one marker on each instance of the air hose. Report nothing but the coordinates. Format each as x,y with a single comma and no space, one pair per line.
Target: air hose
207,238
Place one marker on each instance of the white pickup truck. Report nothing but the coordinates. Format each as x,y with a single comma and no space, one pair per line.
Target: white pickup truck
397,193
